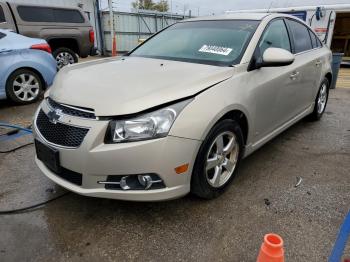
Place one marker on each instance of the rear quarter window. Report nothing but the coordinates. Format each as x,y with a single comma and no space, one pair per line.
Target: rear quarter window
49,14
67,16
314,39
318,42
301,36
2,15
2,35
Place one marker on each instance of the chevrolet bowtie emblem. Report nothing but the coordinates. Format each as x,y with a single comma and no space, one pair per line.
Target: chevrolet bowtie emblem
54,115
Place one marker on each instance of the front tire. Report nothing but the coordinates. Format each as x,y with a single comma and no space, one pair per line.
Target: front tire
321,101
64,56
217,160
24,86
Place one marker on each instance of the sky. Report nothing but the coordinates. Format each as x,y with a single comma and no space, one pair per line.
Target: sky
208,7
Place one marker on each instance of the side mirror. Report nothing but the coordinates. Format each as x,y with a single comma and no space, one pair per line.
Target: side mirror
276,57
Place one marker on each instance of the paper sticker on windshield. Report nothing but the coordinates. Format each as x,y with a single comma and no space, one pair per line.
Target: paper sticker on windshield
219,50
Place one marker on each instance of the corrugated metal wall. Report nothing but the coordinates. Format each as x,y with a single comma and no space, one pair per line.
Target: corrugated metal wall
130,27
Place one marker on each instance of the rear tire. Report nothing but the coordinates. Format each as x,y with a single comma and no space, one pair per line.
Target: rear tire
217,160
24,86
64,56
320,101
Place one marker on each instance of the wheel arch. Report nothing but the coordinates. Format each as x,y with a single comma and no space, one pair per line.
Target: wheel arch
67,42
242,120
329,77
43,82
234,113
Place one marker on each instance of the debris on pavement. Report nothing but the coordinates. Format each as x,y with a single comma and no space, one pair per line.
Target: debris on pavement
267,201
299,180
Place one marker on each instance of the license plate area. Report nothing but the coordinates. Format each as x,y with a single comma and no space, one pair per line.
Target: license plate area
49,156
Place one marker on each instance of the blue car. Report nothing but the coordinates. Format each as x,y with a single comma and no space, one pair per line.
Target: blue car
26,67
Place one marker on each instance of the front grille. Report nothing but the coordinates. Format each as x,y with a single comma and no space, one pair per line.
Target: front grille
69,110
70,176
60,134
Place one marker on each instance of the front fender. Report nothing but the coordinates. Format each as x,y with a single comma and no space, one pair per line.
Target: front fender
199,117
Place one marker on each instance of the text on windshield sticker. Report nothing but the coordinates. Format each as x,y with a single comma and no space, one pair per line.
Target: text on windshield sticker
215,50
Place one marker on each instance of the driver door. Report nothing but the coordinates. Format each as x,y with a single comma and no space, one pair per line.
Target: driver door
274,86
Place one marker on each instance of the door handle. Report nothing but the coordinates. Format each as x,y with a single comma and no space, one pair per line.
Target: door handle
294,75
318,63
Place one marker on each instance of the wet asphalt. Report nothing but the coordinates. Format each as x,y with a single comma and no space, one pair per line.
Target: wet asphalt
262,199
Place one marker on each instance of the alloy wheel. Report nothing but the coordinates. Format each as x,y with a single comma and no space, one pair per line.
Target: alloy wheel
63,59
221,159
26,87
322,99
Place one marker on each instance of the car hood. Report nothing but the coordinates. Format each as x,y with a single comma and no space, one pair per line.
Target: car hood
132,84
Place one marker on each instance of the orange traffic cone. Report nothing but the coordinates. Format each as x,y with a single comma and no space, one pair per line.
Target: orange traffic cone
271,249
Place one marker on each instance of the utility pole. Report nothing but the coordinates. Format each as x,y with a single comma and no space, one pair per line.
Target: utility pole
111,19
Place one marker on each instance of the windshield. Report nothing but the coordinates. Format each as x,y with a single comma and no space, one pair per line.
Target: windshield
220,42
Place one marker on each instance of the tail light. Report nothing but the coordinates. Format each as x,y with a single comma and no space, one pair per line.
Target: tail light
42,47
92,36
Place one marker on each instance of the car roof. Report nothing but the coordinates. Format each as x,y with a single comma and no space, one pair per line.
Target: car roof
233,16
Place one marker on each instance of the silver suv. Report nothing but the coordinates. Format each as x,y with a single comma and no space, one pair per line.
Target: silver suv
178,114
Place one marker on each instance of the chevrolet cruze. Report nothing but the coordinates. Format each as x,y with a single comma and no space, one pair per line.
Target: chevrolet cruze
179,112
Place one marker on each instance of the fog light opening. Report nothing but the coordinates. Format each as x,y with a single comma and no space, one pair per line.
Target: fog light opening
145,181
123,183
133,182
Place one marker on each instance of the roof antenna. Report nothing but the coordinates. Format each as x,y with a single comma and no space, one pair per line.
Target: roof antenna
268,10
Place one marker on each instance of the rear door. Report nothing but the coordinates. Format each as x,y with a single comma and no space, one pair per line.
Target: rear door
306,64
319,59
6,20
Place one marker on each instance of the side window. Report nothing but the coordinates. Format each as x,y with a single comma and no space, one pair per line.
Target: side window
2,15
48,14
301,36
2,35
276,35
35,14
67,16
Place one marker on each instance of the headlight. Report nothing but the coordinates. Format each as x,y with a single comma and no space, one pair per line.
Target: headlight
147,126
